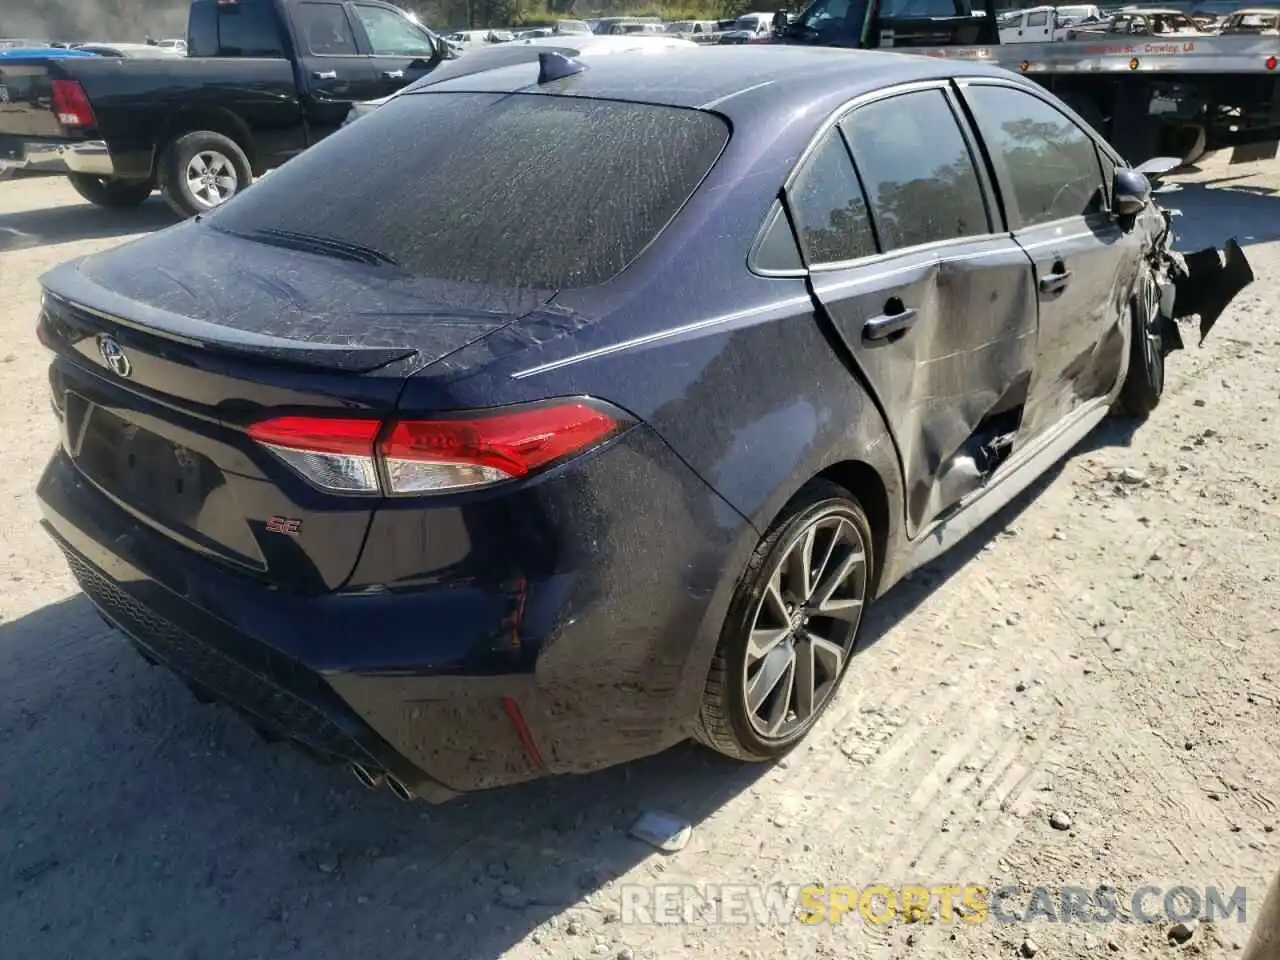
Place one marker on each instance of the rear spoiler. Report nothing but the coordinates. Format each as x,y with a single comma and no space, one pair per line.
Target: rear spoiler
69,287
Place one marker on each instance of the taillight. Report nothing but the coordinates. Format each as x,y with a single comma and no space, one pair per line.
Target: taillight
71,104
437,455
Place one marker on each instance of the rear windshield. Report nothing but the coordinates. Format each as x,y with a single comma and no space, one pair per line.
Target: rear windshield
514,191
246,28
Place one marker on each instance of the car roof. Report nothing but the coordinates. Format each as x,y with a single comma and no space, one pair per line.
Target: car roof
737,80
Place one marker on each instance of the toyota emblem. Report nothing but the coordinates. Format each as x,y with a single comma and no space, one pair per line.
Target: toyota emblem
113,356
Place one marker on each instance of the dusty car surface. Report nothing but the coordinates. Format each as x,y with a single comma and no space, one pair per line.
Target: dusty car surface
528,51
466,487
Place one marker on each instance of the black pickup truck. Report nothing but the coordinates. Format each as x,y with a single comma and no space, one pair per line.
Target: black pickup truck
263,80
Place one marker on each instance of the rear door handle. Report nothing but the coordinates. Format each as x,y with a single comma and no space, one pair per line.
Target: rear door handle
393,74
888,326
325,75
1055,282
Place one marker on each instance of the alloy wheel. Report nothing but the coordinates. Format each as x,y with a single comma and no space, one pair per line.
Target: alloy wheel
211,178
803,630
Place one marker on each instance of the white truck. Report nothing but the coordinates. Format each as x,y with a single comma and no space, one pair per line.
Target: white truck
1042,24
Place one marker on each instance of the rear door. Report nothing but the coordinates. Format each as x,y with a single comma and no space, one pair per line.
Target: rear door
1056,195
395,43
334,70
931,299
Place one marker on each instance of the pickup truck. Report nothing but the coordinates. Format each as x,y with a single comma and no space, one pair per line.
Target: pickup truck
263,80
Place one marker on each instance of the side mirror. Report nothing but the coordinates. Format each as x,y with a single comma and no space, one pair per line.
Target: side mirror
1131,192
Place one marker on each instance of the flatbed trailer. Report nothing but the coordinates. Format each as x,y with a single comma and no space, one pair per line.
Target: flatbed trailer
1150,96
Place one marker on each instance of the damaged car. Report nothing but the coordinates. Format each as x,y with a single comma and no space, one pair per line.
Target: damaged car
464,486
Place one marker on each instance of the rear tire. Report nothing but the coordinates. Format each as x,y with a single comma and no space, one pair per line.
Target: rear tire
1144,381
201,170
110,194
793,619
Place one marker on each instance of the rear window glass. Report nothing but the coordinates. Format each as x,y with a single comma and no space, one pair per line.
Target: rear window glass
249,28
515,191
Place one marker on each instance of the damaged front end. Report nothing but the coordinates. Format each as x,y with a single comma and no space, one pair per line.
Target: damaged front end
1198,284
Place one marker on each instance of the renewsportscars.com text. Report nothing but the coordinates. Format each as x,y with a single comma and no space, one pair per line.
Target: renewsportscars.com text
964,903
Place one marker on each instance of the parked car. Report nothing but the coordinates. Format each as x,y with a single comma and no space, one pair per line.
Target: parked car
605,25
1253,21
130,51
16,53
528,51
750,28
699,31
264,80
467,486
1043,24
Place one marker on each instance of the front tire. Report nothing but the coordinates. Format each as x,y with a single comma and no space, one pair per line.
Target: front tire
108,193
791,627
1144,381
202,170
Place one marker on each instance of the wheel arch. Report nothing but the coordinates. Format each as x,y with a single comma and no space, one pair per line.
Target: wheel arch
866,485
216,119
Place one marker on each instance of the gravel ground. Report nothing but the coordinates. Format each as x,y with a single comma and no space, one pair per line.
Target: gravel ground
1105,651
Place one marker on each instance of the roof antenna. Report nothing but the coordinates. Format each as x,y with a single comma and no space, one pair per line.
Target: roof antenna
556,66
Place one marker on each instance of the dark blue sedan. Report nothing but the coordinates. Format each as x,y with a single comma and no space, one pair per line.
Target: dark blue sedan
557,413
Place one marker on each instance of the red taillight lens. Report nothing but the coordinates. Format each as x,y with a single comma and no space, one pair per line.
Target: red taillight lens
422,456
72,105
434,456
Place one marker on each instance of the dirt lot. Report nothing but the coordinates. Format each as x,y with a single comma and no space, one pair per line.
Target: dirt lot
1105,650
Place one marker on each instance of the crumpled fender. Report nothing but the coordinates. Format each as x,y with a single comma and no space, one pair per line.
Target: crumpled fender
1203,283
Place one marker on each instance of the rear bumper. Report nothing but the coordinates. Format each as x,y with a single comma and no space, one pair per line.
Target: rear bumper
450,687
91,157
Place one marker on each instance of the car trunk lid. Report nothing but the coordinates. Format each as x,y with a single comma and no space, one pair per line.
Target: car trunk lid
168,349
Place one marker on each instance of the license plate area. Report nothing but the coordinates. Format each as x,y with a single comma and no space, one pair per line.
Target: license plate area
158,478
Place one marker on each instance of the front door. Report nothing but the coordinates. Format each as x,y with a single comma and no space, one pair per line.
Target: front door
1056,194
402,51
933,304
334,72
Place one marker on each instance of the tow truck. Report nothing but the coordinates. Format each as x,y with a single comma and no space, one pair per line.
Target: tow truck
1150,96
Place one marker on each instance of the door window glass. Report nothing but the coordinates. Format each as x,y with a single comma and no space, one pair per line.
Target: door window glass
827,203
1050,164
917,170
392,35
326,29
1037,19
777,250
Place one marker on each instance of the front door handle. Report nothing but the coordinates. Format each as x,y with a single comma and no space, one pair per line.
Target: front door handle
1055,282
393,74
889,326
325,75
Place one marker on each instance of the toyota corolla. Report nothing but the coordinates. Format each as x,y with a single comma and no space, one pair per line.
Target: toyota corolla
599,424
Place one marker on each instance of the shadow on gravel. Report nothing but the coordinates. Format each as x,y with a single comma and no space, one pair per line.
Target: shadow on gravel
138,823
81,221
1216,210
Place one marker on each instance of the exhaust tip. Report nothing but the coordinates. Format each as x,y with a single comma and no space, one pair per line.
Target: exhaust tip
399,789
366,776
